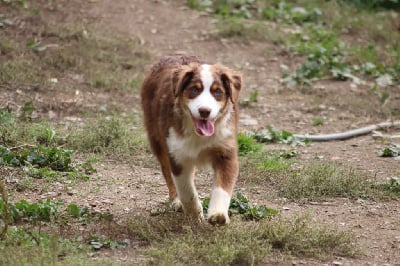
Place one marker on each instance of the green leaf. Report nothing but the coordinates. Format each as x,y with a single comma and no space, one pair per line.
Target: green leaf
30,43
74,210
391,151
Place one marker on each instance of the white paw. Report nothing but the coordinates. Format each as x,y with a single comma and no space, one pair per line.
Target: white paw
176,205
218,218
218,207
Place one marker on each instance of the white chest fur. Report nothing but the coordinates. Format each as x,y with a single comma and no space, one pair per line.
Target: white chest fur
187,148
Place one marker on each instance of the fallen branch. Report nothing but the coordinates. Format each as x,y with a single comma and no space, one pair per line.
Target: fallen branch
348,134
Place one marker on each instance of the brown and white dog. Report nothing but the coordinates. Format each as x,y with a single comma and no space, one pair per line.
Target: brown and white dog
191,115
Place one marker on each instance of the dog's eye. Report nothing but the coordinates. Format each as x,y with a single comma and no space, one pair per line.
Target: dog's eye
194,91
217,93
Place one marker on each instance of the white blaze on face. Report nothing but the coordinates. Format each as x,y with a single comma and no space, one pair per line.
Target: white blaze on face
207,101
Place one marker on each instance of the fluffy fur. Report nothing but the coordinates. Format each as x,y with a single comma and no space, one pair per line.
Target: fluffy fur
191,115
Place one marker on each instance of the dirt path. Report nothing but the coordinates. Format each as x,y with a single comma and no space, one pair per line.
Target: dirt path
169,27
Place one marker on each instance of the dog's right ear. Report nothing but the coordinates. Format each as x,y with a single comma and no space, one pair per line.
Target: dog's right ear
181,78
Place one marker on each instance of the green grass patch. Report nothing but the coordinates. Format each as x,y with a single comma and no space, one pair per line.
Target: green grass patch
23,130
317,181
266,168
101,134
247,144
108,135
24,247
169,242
20,72
318,121
320,181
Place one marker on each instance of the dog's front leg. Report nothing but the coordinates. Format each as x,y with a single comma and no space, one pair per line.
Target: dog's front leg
187,193
226,171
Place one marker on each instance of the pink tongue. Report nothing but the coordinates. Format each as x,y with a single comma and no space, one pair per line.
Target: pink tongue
205,127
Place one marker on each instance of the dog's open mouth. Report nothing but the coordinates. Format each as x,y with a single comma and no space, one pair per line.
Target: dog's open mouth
204,127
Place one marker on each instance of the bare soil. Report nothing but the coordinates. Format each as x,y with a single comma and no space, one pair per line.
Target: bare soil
170,27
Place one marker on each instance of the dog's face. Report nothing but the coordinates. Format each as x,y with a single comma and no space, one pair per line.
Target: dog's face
205,92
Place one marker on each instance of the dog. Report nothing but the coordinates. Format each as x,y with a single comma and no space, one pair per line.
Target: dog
191,117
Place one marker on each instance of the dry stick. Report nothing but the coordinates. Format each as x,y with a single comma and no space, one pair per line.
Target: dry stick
348,134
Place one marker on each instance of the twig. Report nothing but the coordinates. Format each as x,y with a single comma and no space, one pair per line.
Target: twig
350,133
21,146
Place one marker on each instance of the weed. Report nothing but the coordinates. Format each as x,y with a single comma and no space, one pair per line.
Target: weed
391,151
55,158
240,205
33,212
281,11
274,135
318,121
248,101
247,144
392,186
98,242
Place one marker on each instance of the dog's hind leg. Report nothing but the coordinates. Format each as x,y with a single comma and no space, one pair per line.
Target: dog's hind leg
173,196
165,163
184,181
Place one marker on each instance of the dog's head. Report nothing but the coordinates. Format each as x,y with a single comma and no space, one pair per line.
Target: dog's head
206,92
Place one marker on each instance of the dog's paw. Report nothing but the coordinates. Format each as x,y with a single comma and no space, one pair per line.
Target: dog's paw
176,205
219,219
194,211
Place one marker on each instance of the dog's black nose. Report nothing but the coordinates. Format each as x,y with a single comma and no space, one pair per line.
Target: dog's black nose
204,112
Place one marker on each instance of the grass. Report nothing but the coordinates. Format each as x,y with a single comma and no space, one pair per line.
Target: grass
301,182
318,121
101,134
247,144
73,53
108,135
319,181
244,243
110,63
27,247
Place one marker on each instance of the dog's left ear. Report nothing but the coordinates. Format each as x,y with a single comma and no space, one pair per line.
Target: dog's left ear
181,77
232,82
